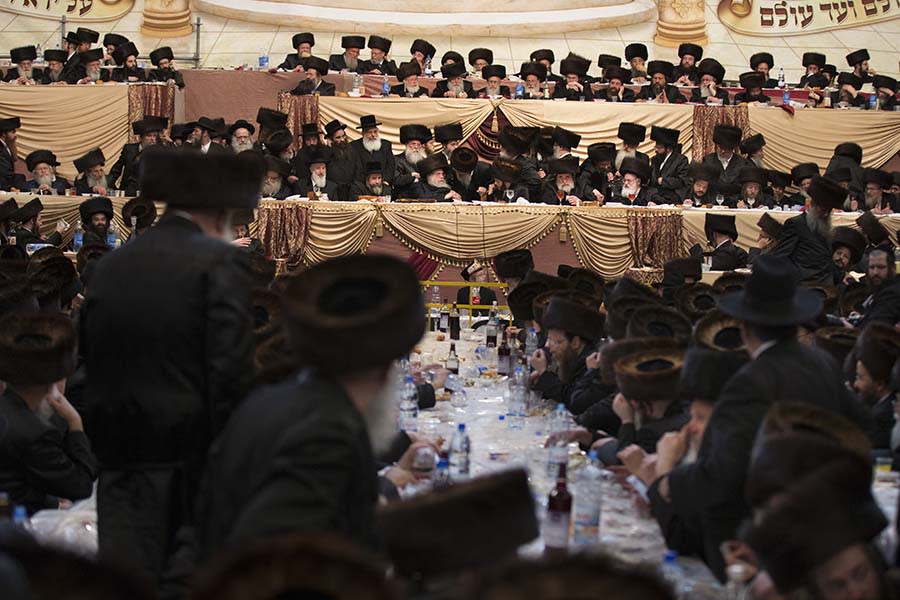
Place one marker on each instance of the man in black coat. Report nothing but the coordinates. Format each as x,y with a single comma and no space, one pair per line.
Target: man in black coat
414,138
159,394
316,179
371,148
24,73
163,59
127,168
378,64
467,175
805,239
42,164
576,86
616,78
726,161
28,230
408,76
848,155
669,168
299,456
96,216
8,129
515,143
561,187
314,84
476,294
433,186
781,370
453,85
635,183
303,44
710,90
92,178
661,90
721,232
349,60
883,303
342,165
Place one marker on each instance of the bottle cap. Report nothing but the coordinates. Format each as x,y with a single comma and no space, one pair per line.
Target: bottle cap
670,556
461,427
501,417
592,454
409,379
19,513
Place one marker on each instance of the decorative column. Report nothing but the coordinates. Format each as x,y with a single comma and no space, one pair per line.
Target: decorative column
166,18
681,21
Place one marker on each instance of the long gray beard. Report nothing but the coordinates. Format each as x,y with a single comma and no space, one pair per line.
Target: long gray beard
372,145
414,156
456,88
351,62
622,155
376,189
269,189
43,180
239,147
317,181
820,226
54,75
567,188
492,91
435,181
96,181
27,74
94,74
872,202
381,414
411,90
758,161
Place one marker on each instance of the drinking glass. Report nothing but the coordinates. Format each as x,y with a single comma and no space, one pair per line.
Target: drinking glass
751,202
509,195
720,199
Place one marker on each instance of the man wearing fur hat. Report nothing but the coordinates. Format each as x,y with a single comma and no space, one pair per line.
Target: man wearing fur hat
806,239
408,75
303,44
164,60
314,84
29,220
8,136
576,85
349,60
710,90
669,167
636,190
660,89
467,175
24,73
686,71
152,441
507,184
414,138
515,146
89,69
726,161
453,85
378,64
631,134
561,187
44,180
127,69
127,167
96,216
92,177
432,185
312,467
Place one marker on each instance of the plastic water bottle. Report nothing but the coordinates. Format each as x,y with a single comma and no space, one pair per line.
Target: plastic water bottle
520,91
531,344
786,97
588,499
672,573
428,71
357,83
442,475
385,87
409,406
460,448
20,518
781,77
558,453
435,311
263,59
39,60
515,410
736,587
78,237
112,237
873,102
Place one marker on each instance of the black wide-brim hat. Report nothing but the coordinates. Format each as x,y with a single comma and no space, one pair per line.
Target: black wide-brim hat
601,152
753,174
722,224
353,41
727,136
604,61
751,79
414,131
164,53
533,68
320,65
27,211
705,373
114,39
874,231
803,171
431,163
37,348
303,38
368,122
543,54
142,209
753,144
40,156
87,35
851,150
638,167
184,178
464,159
880,178
761,57
562,166
333,126
710,66
448,132
514,139
857,56
408,69
242,124
696,300
636,50
770,226
91,56
567,66
10,123
565,138
355,312
24,53
121,53
772,296
271,119
650,375
279,141
631,133
476,522
659,321
851,239
7,208
661,66
814,58
377,42
452,56
521,299
826,193
719,332
554,290
451,70
613,72
701,172
883,81
485,54
664,136
94,205
692,49
57,55
423,46
149,124
573,318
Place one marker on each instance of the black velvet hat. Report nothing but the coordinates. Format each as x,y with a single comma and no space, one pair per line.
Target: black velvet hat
521,299
826,193
727,136
772,296
37,348
874,231
271,119
718,223
851,239
94,205
360,311
664,136
573,318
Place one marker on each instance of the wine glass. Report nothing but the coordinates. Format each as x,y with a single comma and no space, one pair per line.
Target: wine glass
751,202
720,199
509,194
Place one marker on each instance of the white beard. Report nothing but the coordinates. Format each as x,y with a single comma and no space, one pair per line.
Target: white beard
239,146
26,74
567,188
435,181
270,189
318,181
44,179
414,156
287,155
54,75
492,91
96,181
351,62
622,155
456,88
381,413
629,191
94,74
412,89
372,145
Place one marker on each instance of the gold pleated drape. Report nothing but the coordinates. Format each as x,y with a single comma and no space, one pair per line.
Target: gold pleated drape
337,229
283,229
69,120
300,110
693,221
150,99
655,236
705,119
601,240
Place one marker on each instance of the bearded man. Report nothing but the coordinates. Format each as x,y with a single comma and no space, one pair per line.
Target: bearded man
414,137
241,134
92,178
53,73
371,148
275,183
24,73
434,187
372,186
42,164
318,181
96,215
806,239
128,165
89,69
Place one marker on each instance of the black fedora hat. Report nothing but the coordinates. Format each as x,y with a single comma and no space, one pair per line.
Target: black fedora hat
367,122
27,211
772,296
37,348
361,310
333,126
719,332
574,318
8,207
241,124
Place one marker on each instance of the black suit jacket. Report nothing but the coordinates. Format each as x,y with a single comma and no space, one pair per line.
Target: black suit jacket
628,95
291,62
294,457
39,463
121,74
810,253
884,306
727,183
166,75
336,62
561,91
59,186
127,168
387,67
441,88
305,88
675,177
673,94
728,257
70,67
13,73
384,156
25,237
714,484
400,90
481,177
7,168
721,94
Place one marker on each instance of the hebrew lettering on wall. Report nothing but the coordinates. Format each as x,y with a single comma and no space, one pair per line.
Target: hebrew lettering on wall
786,17
74,10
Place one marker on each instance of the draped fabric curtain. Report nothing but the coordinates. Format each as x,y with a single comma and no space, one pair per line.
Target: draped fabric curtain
300,110
150,99
69,120
705,119
655,237
423,265
283,229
